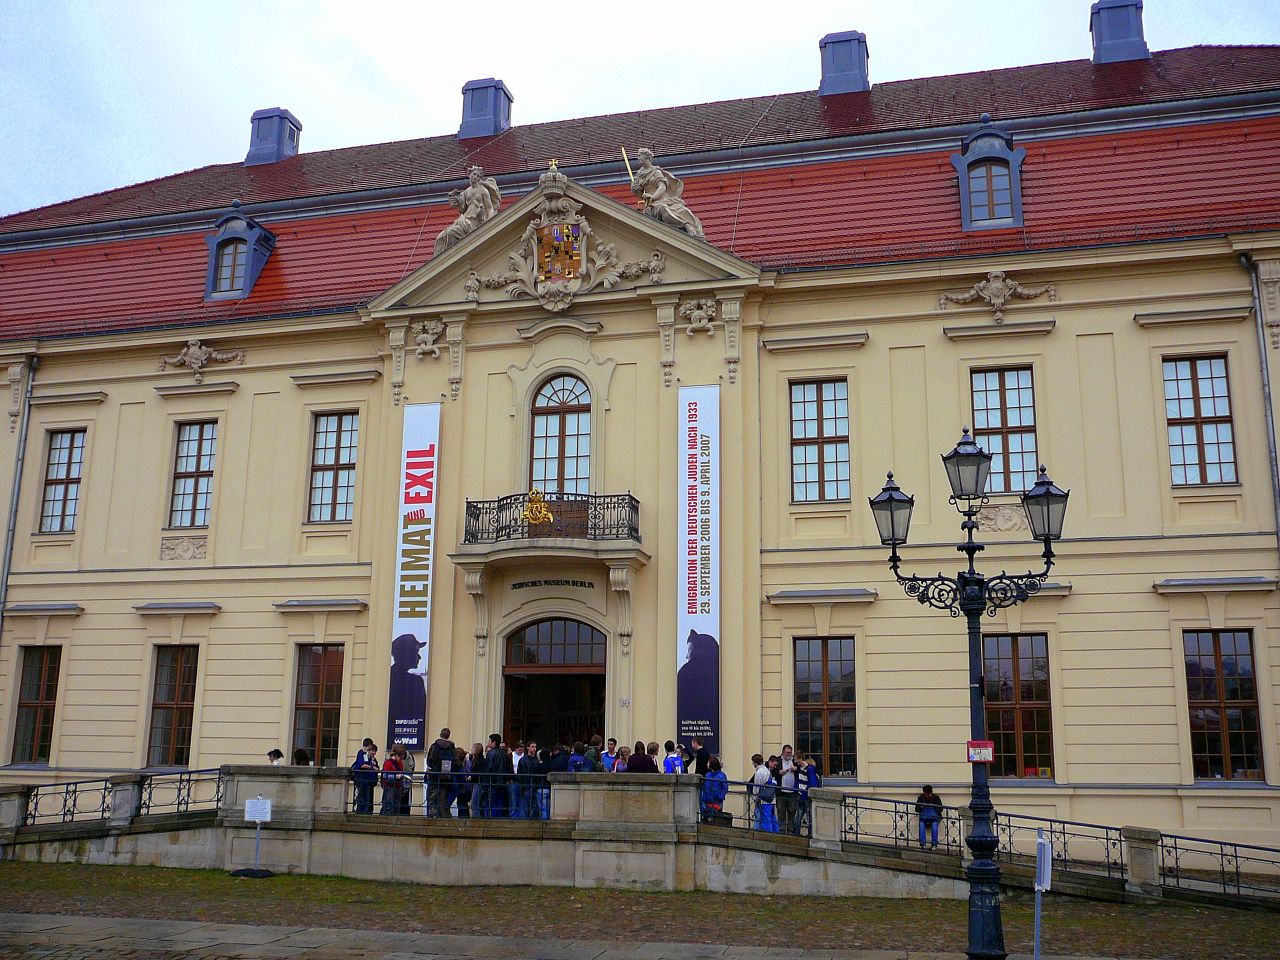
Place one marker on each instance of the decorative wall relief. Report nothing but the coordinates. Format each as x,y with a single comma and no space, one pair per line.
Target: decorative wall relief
731,315
655,266
1269,282
998,290
397,330
17,383
1003,518
425,335
559,257
700,314
666,308
184,548
195,356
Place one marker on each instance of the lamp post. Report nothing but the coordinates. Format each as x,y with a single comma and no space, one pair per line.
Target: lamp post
971,593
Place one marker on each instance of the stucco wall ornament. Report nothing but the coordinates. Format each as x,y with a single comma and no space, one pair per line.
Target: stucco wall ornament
1269,281
998,290
559,257
196,357
184,548
17,383
476,204
654,266
700,314
1003,518
663,196
425,335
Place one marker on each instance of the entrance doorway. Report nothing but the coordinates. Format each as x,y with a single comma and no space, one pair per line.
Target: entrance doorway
554,682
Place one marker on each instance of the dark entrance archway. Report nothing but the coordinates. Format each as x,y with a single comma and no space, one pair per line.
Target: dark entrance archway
554,682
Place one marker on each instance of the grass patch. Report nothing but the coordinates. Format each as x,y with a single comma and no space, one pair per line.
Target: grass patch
1170,932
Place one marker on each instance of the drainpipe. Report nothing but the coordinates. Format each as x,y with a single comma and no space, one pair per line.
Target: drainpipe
1248,263
33,362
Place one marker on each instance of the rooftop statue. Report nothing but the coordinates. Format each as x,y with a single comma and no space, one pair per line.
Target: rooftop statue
661,193
477,204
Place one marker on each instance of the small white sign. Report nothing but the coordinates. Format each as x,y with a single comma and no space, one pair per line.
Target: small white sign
257,810
1044,863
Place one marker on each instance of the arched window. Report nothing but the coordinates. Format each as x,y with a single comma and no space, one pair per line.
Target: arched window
990,197
989,175
229,270
560,456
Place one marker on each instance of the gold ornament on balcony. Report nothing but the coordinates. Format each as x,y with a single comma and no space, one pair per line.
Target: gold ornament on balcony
535,510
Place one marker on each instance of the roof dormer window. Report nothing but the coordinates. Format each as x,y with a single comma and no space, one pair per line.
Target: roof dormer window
989,171
229,269
238,251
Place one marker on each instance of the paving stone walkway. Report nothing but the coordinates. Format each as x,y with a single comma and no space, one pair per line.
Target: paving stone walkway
27,936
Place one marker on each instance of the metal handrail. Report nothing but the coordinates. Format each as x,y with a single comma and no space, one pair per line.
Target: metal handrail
76,800
1196,863
181,791
1090,847
884,820
581,516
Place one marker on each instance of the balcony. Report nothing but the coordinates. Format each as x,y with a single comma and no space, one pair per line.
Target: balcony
572,516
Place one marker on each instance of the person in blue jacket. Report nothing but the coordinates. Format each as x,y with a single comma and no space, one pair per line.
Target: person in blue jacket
715,787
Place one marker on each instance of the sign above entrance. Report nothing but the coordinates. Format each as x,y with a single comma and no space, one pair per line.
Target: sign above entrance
527,584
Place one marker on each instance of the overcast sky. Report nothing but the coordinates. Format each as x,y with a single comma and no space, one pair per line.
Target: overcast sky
96,95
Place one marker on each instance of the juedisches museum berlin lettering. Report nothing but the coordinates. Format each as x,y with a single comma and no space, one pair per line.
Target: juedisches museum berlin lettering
411,624
698,598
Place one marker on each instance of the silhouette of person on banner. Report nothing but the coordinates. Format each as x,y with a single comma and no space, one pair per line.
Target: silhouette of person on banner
698,689
408,692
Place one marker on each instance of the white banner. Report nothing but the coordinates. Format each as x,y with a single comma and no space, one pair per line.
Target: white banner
698,593
415,560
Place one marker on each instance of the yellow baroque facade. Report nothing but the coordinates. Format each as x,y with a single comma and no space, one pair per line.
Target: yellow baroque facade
1144,562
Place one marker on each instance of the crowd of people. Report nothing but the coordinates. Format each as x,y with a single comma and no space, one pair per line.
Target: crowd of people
493,779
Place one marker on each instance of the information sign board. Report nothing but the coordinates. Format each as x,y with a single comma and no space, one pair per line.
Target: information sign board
982,751
258,810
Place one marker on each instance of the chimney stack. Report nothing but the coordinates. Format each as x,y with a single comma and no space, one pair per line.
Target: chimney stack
1116,26
844,63
486,108
275,135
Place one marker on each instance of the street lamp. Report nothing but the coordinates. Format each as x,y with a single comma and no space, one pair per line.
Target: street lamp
970,593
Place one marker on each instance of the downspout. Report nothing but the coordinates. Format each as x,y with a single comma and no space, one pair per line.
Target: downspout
33,362
1247,262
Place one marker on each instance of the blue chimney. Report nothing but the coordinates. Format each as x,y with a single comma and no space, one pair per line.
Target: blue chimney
844,63
1116,26
276,135
486,108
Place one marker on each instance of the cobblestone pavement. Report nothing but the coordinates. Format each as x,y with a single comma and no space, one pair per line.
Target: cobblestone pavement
27,936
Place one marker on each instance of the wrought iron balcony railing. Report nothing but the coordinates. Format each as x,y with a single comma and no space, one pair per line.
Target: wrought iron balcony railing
581,516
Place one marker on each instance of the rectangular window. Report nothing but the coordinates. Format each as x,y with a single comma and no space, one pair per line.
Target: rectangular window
37,700
1004,424
318,702
333,467
1222,697
62,481
172,706
193,474
1019,720
1197,406
819,441
825,690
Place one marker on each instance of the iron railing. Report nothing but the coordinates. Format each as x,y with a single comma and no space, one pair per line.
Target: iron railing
181,791
444,795
580,516
1218,866
79,800
896,823
749,806
1088,847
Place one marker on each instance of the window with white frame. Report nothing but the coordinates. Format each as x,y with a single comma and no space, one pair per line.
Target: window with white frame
1197,406
1004,424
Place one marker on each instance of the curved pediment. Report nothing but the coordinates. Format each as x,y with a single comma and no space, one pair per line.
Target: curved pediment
560,243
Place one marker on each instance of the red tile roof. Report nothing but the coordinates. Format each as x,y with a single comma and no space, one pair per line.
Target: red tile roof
1167,182
1031,91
